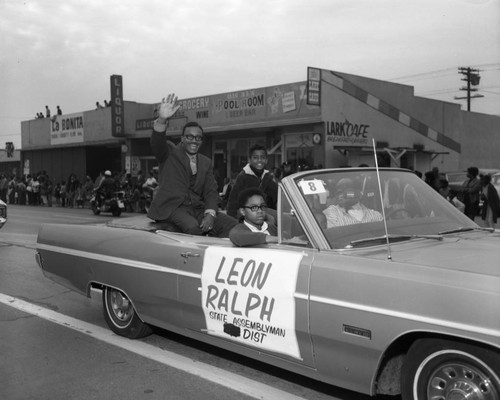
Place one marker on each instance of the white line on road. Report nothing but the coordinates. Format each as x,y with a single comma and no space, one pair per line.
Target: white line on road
69,216
219,376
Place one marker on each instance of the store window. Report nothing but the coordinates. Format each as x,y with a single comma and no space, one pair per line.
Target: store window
299,150
147,164
238,149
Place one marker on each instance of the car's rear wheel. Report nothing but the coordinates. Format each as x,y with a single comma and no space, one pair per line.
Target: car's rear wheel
117,212
446,370
121,316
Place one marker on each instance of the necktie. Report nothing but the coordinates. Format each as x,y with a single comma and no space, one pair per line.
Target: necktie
192,163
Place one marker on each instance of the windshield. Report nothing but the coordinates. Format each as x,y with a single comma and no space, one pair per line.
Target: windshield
349,207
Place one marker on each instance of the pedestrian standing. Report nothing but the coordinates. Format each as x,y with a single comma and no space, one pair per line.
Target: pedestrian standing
62,193
470,193
491,202
4,186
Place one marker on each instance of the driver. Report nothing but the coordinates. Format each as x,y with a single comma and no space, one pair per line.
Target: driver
347,209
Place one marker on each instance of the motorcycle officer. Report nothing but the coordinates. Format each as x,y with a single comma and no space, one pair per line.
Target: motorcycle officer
106,188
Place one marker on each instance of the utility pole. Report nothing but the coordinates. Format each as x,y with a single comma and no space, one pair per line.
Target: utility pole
471,76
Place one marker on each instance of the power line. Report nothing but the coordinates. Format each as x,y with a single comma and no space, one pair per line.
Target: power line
14,117
445,71
440,91
422,75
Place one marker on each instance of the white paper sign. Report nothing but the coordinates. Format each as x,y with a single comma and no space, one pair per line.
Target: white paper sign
313,186
248,297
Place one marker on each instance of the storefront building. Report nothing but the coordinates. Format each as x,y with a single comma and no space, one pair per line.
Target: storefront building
331,119
10,162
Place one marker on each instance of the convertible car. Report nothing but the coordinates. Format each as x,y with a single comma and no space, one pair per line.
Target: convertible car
377,284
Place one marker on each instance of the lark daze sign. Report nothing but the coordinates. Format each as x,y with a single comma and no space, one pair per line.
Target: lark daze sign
248,297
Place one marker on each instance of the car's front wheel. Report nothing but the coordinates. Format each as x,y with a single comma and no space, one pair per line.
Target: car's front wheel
443,370
121,316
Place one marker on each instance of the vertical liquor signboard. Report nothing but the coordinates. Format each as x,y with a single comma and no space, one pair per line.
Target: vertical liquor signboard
117,108
313,86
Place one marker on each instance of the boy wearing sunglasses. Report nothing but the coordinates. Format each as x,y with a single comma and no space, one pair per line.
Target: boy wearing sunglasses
253,229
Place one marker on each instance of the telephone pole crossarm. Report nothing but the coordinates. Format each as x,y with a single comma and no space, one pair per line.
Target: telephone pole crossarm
472,77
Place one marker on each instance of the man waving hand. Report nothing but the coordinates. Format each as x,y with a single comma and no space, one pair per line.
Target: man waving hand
187,197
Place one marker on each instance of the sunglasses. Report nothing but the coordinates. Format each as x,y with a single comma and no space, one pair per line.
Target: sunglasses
194,138
262,207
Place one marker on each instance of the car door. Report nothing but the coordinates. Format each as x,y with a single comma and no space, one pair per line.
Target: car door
252,297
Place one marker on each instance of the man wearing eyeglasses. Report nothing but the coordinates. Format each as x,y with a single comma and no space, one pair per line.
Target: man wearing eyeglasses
187,199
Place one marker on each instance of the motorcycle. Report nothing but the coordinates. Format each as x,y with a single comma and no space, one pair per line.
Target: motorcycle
115,204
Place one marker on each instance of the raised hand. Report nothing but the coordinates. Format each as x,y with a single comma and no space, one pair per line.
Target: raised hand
168,107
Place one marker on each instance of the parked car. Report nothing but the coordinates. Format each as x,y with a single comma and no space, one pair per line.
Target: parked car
3,213
408,302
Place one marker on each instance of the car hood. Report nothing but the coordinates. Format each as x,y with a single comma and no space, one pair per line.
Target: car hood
477,252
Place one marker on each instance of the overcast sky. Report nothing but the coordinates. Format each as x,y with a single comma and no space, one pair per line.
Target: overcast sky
63,52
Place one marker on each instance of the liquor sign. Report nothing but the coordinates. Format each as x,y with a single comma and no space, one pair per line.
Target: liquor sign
144,124
117,108
313,86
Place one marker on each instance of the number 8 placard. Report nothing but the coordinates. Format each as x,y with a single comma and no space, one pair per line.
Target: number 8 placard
313,186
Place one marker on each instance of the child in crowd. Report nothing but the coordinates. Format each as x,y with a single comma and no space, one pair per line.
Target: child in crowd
79,198
253,228
62,193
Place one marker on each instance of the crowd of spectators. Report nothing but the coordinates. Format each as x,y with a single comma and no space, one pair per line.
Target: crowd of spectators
40,190
40,115
98,105
475,197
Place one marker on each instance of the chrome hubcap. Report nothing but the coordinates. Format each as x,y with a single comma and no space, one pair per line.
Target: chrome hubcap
122,308
460,382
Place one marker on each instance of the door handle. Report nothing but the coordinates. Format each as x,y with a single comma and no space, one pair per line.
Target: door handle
189,254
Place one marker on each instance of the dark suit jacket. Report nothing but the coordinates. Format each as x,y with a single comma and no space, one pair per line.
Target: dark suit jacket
175,180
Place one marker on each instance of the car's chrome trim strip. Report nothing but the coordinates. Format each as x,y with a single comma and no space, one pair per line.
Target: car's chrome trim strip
116,260
407,316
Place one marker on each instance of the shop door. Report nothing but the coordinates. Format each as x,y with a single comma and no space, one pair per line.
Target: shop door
220,169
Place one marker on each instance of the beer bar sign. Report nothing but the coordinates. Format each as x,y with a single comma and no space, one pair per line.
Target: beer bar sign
117,108
313,86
